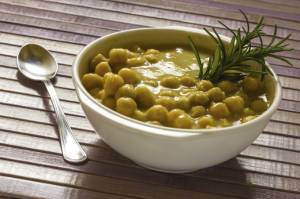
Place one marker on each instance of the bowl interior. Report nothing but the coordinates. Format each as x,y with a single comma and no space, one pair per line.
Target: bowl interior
145,39
155,37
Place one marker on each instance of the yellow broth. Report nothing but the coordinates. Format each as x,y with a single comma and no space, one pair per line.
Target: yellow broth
161,87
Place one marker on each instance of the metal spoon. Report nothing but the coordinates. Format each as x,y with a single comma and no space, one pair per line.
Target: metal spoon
36,63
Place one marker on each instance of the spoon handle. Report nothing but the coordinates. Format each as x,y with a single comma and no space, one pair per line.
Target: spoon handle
71,150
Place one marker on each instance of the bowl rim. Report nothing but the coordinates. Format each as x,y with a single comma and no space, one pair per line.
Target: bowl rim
155,129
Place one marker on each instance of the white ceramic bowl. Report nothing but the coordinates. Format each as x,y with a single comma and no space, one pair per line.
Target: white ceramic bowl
162,148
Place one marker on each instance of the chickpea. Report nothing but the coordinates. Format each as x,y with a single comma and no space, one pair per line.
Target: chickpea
199,98
235,104
248,118
139,115
252,86
151,58
216,94
167,102
101,94
96,60
94,92
225,122
152,83
112,83
204,85
219,110
155,123
197,111
183,121
107,75
227,86
170,82
91,80
187,81
129,76
206,122
127,90
173,114
151,51
126,106
188,91
138,61
245,97
259,105
168,93
118,56
131,54
109,102
248,111
157,113
102,68
144,97
183,103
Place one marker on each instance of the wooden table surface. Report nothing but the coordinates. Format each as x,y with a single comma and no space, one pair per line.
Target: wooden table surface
31,165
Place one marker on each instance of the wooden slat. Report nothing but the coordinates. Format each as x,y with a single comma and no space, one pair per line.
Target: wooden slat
97,183
81,39
212,8
46,24
54,25
101,154
288,117
31,165
291,3
42,143
61,16
291,94
56,46
247,164
290,82
28,88
39,103
41,116
59,81
280,142
283,129
272,154
13,51
145,11
46,131
259,4
159,19
163,179
20,188
45,33
262,166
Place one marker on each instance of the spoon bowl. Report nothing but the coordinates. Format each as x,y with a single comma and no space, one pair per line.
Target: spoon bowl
36,63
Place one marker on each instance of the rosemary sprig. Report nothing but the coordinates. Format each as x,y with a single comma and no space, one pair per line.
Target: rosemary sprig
231,61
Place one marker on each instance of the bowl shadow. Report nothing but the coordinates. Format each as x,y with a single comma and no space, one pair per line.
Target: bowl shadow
228,178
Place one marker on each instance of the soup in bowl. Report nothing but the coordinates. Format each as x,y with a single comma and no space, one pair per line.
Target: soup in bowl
140,91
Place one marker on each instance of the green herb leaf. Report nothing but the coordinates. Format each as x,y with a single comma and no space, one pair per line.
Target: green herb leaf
228,61
197,54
